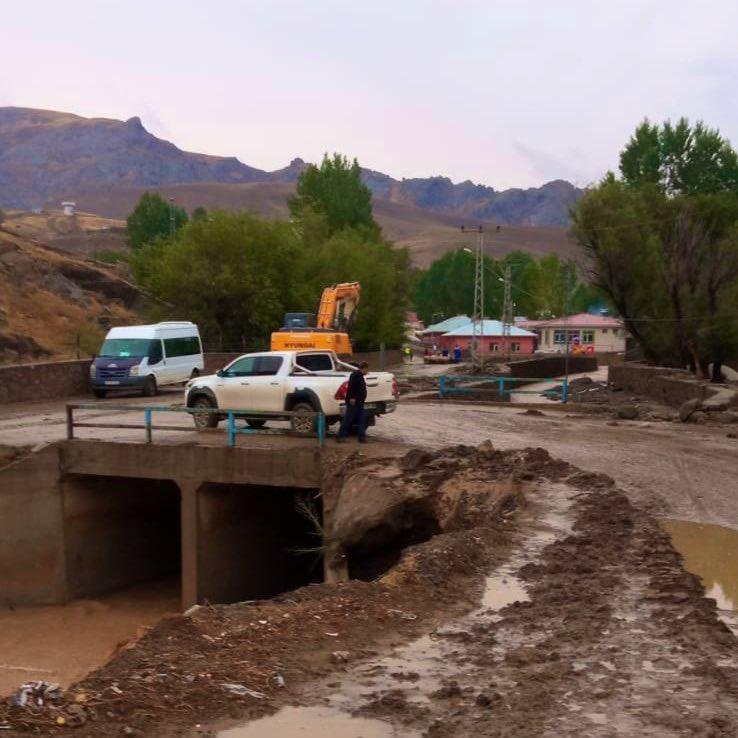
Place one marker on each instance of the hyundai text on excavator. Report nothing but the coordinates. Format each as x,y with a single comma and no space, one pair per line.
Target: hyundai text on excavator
336,316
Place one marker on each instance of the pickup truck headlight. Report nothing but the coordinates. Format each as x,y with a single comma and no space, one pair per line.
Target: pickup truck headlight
133,371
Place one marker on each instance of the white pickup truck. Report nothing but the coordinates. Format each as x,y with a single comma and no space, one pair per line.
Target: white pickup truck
304,382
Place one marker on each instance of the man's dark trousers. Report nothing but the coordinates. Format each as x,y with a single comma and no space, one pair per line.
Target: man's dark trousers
354,414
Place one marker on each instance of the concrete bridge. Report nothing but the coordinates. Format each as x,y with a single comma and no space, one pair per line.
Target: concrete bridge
83,517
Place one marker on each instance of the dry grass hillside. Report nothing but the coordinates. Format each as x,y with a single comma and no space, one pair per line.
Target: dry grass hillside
82,233
427,234
51,301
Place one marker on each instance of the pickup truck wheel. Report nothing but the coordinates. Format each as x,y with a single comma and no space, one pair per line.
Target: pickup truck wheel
204,420
304,421
255,423
100,393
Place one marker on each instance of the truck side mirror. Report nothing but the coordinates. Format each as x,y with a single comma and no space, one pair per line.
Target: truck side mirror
220,373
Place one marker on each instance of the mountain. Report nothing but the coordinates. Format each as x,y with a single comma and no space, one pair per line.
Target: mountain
49,156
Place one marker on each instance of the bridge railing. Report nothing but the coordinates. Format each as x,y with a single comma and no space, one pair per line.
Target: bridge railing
231,429
469,384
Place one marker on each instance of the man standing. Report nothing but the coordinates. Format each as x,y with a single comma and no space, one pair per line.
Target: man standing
355,399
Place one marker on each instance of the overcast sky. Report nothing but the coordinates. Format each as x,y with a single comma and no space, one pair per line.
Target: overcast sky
503,92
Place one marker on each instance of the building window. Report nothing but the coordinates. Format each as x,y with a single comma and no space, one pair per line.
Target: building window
559,336
515,348
604,330
494,347
588,336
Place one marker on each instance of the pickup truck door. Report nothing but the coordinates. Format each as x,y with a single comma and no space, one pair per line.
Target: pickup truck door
232,389
266,387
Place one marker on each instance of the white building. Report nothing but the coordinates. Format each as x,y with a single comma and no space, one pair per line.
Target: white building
69,207
603,333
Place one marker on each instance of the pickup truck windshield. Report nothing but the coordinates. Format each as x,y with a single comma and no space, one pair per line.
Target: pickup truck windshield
123,348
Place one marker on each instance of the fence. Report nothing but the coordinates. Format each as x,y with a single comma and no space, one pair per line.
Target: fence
449,385
316,419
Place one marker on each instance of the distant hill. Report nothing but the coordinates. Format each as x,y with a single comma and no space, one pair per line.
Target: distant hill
49,156
425,233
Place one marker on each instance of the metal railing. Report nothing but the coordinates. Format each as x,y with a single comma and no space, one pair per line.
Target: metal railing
229,415
449,385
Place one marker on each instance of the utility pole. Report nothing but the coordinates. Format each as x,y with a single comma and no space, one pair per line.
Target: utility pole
478,311
567,290
507,310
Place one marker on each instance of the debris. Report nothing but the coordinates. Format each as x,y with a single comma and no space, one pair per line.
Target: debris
38,693
402,614
628,412
332,635
688,408
340,657
278,681
242,691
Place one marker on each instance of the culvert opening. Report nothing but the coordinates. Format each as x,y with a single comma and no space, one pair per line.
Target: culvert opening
381,547
120,532
257,542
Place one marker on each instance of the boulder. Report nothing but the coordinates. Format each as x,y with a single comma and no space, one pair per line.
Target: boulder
627,412
688,408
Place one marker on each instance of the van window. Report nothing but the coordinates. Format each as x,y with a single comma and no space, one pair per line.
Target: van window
268,366
187,346
124,348
315,362
245,367
155,352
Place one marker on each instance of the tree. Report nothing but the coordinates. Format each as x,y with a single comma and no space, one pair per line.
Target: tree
199,213
335,191
680,159
664,249
234,274
152,218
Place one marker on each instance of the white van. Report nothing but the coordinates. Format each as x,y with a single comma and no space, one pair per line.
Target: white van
147,357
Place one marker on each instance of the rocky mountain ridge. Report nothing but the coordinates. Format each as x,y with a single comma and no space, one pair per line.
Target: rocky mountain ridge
47,155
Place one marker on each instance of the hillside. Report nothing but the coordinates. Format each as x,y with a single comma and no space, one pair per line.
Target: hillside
427,234
48,299
49,156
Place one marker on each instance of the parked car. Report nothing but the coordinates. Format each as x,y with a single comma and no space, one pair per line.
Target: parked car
147,357
304,382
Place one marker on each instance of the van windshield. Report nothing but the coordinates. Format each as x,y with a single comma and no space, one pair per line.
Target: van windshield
124,348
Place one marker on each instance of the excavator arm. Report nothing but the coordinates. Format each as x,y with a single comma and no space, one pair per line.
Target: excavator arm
337,310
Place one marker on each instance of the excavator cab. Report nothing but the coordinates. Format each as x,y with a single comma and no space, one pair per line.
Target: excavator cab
329,330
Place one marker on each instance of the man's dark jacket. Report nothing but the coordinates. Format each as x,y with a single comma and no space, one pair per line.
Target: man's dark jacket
356,388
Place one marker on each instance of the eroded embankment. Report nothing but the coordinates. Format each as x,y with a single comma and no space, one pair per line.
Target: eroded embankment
615,637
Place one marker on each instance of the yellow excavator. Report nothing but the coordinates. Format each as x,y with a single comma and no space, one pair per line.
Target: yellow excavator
330,331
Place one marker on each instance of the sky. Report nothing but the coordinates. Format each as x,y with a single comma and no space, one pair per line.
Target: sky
509,93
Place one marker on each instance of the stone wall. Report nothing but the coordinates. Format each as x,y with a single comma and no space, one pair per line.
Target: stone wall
668,386
44,381
547,367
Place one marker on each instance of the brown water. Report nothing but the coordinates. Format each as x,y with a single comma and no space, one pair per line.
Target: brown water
308,722
62,643
710,552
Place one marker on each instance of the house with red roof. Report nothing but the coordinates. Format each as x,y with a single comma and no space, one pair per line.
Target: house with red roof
599,333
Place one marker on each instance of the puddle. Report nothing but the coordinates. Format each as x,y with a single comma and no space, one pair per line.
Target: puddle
710,552
307,722
502,590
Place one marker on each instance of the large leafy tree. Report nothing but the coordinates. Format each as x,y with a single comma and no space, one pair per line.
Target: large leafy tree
680,158
335,191
663,243
152,218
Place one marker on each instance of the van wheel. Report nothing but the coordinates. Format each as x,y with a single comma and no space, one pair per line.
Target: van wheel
100,393
304,422
255,423
204,420
150,389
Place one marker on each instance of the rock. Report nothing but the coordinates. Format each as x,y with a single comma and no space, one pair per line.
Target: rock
340,657
688,408
627,412
698,417
486,448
